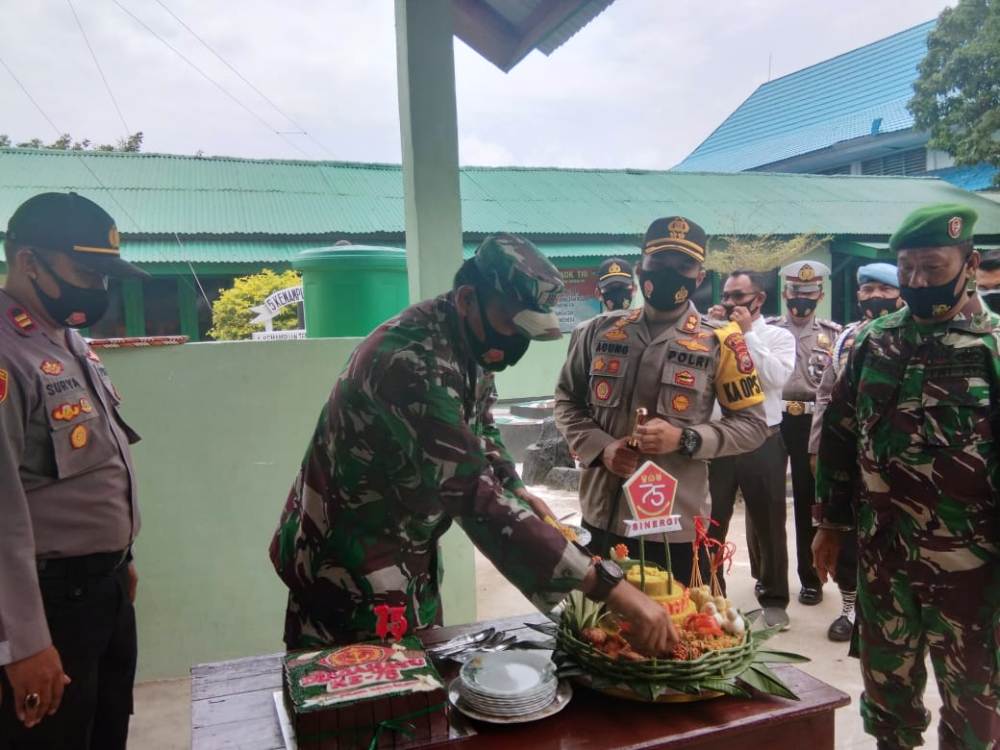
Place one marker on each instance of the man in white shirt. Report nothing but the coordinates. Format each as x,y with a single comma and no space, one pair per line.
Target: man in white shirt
760,474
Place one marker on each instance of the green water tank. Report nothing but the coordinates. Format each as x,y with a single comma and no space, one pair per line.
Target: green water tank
349,289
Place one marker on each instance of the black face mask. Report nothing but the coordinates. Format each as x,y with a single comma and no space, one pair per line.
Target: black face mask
933,301
876,307
801,307
76,306
992,299
617,297
729,307
498,351
666,289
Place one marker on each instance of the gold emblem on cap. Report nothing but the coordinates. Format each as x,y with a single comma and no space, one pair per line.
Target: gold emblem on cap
678,229
614,268
681,295
807,273
113,239
955,227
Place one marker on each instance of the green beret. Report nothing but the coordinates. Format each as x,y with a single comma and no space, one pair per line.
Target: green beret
939,225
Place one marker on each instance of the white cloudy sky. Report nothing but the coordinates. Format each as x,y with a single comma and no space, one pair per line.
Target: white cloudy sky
641,86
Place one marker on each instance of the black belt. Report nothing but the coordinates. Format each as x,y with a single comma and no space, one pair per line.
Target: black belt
89,566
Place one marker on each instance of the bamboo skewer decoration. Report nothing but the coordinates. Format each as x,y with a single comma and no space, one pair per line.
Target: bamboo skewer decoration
633,442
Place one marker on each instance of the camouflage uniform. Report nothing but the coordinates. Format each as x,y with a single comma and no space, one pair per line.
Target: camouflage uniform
908,450
405,445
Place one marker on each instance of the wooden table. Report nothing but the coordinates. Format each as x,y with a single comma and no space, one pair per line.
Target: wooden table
232,706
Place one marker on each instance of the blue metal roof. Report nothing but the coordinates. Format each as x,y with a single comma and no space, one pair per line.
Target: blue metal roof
859,93
976,177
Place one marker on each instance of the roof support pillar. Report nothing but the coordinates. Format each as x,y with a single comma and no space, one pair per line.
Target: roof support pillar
425,62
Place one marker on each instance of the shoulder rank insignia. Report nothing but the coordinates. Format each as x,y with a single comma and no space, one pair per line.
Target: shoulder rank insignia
4,377
92,356
634,315
20,318
691,324
51,367
823,340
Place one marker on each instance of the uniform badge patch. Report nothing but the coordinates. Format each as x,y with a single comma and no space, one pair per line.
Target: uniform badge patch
823,340
78,437
955,227
51,367
602,390
691,324
21,320
634,315
614,366
680,402
85,406
693,345
616,334
744,362
4,377
807,273
684,378
92,356
66,412
599,364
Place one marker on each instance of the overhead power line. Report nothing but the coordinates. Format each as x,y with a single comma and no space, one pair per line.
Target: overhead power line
300,129
97,64
211,80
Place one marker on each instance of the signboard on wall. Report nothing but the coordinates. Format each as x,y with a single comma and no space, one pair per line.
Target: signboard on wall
577,303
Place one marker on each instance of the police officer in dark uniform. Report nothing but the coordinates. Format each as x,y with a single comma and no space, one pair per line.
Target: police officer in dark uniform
67,488
615,285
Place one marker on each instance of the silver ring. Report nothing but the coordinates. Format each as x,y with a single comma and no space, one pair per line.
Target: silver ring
31,701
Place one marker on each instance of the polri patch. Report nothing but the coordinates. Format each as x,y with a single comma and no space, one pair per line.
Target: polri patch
78,437
51,367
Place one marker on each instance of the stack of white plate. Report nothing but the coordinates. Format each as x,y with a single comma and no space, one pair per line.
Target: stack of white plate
508,683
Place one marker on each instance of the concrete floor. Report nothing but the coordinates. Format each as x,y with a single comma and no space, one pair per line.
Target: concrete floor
162,709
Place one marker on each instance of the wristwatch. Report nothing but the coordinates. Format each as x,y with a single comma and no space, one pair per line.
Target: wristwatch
690,442
608,574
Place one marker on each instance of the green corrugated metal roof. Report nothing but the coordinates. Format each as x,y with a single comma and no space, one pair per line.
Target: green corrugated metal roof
278,202
223,251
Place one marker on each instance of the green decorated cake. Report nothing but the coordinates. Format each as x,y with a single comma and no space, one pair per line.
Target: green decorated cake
349,696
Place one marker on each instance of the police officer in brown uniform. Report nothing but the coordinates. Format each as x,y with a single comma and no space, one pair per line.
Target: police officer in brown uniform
663,357
615,288
67,488
814,353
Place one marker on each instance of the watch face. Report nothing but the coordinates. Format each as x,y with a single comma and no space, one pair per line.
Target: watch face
612,569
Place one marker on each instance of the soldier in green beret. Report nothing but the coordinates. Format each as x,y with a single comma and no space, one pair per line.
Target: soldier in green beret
908,462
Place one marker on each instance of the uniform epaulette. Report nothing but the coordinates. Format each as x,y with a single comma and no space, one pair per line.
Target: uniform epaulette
830,324
774,319
714,322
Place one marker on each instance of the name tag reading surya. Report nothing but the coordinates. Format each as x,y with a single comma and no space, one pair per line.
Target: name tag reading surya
651,492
